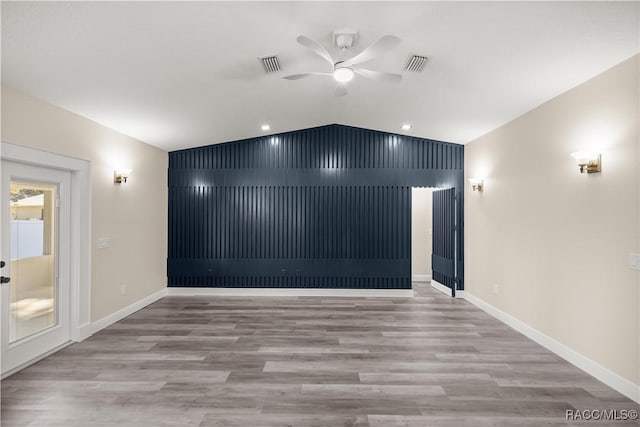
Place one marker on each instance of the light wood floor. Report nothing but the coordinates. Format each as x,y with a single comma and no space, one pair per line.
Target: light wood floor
211,361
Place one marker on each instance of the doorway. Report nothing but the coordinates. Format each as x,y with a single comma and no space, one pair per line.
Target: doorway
421,233
45,221
435,238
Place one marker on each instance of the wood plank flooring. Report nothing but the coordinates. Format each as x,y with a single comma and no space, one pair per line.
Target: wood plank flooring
292,361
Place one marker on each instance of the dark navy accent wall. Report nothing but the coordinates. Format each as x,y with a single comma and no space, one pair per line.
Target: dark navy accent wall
322,207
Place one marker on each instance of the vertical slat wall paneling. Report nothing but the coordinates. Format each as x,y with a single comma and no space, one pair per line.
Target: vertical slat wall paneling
323,207
444,243
460,238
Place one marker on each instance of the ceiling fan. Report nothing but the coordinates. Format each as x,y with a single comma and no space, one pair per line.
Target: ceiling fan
345,70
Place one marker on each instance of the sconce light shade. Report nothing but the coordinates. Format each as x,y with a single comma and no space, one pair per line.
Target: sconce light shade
476,184
588,162
120,176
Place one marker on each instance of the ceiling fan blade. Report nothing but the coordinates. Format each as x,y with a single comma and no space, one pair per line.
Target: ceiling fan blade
341,89
383,44
316,47
378,75
303,75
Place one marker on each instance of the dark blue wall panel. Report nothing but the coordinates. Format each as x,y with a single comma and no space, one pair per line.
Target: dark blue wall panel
321,207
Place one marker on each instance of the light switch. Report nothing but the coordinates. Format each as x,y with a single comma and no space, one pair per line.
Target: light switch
104,242
634,261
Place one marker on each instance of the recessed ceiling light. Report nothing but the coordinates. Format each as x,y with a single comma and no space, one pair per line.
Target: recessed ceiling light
406,126
265,127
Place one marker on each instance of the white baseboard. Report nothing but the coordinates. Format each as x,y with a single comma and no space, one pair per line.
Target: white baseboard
421,278
292,292
82,332
126,311
610,378
461,294
440,287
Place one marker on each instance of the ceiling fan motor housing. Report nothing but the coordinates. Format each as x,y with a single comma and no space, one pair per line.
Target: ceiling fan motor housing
344,39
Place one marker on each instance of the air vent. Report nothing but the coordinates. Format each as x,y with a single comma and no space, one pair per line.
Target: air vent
416,63
271,64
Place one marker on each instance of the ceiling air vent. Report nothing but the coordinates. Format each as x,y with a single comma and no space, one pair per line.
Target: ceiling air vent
271,64
416,63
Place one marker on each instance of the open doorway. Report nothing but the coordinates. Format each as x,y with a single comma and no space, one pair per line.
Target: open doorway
45,225
421,234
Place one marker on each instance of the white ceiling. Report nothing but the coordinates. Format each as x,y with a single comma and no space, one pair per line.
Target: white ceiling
179,75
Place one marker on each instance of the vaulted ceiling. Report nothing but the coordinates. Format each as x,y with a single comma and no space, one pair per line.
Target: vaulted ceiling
183,74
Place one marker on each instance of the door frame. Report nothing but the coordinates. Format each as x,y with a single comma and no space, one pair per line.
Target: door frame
80,232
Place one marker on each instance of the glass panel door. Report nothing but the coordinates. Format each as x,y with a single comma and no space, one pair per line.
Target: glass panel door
32,253
35,213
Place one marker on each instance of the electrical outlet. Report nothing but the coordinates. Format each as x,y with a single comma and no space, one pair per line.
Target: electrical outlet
634,261
123,289
104,242
496,289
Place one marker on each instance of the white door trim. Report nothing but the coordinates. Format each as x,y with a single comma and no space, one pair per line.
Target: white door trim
80,236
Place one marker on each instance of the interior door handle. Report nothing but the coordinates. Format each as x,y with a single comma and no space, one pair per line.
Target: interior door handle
5,279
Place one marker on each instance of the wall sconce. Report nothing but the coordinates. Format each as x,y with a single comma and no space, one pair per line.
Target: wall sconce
476,184
120,176
587,161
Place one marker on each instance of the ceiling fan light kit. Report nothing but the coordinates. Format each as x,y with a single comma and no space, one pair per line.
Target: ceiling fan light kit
344,71
343,74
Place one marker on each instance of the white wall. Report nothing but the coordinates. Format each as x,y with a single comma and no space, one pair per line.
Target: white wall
133,215
421,212
554,241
